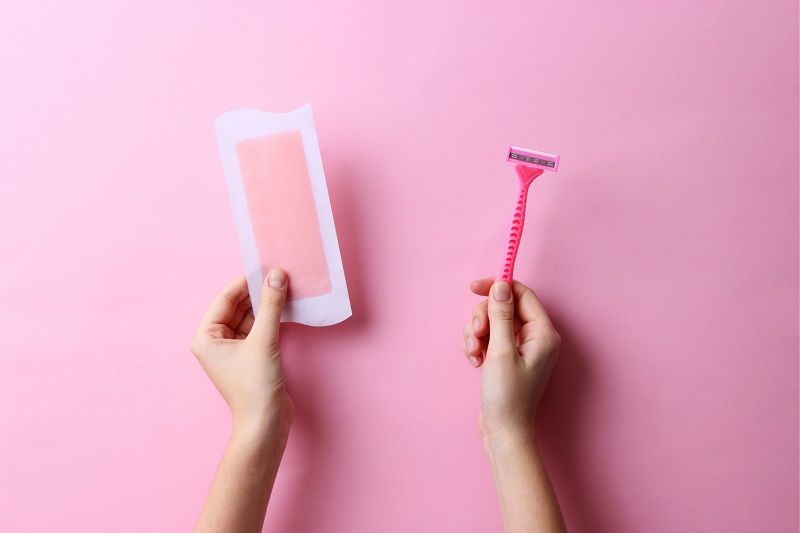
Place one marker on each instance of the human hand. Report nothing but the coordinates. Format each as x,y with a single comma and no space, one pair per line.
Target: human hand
512,339
241,354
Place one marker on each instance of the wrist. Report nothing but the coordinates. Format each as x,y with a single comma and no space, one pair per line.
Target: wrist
271,421
259,437
509,440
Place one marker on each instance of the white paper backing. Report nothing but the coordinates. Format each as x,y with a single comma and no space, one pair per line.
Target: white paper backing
238,125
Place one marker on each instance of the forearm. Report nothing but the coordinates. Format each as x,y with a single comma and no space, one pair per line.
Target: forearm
527,500
237,500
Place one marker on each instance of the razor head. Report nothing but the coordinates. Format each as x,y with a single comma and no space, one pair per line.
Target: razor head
532,158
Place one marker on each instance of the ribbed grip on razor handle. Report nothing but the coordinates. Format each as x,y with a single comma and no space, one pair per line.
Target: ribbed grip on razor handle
515,234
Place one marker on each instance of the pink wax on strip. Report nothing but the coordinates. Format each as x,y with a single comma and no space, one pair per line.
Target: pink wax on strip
282,211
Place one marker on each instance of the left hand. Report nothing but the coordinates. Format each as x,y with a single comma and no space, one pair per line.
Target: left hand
241,354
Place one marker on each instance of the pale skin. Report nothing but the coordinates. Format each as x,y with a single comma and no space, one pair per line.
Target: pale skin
510,338
240,353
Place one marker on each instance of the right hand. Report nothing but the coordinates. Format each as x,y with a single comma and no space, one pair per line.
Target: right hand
512,339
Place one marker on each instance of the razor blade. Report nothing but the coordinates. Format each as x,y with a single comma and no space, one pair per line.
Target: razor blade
533,158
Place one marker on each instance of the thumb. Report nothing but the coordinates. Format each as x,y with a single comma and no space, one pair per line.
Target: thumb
501,320
273,295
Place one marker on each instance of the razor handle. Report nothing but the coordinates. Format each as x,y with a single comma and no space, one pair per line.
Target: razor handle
515,233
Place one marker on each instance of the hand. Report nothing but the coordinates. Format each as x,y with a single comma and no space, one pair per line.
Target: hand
241,355
512,338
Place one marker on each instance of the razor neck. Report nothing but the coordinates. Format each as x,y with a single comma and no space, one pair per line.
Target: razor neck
527,174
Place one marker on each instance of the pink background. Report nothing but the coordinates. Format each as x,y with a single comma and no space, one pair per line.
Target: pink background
666,250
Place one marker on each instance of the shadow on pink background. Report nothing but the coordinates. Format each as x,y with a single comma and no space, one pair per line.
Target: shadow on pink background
666,250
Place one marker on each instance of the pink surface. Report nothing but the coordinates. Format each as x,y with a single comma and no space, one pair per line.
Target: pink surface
282,211
668,260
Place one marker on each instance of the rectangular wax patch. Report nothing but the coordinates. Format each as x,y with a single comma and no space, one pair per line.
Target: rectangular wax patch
282,210
283,215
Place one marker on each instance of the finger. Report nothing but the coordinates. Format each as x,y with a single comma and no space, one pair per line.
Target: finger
244,307
481,286
224,307
528,305
273,295
245,325
538,338
473,347
480,319
502,338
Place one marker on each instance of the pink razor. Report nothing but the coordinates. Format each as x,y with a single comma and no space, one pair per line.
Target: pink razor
529,166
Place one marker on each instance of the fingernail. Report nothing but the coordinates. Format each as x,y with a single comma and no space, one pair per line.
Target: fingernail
470,344
501,291
474,361
277,279
476,324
